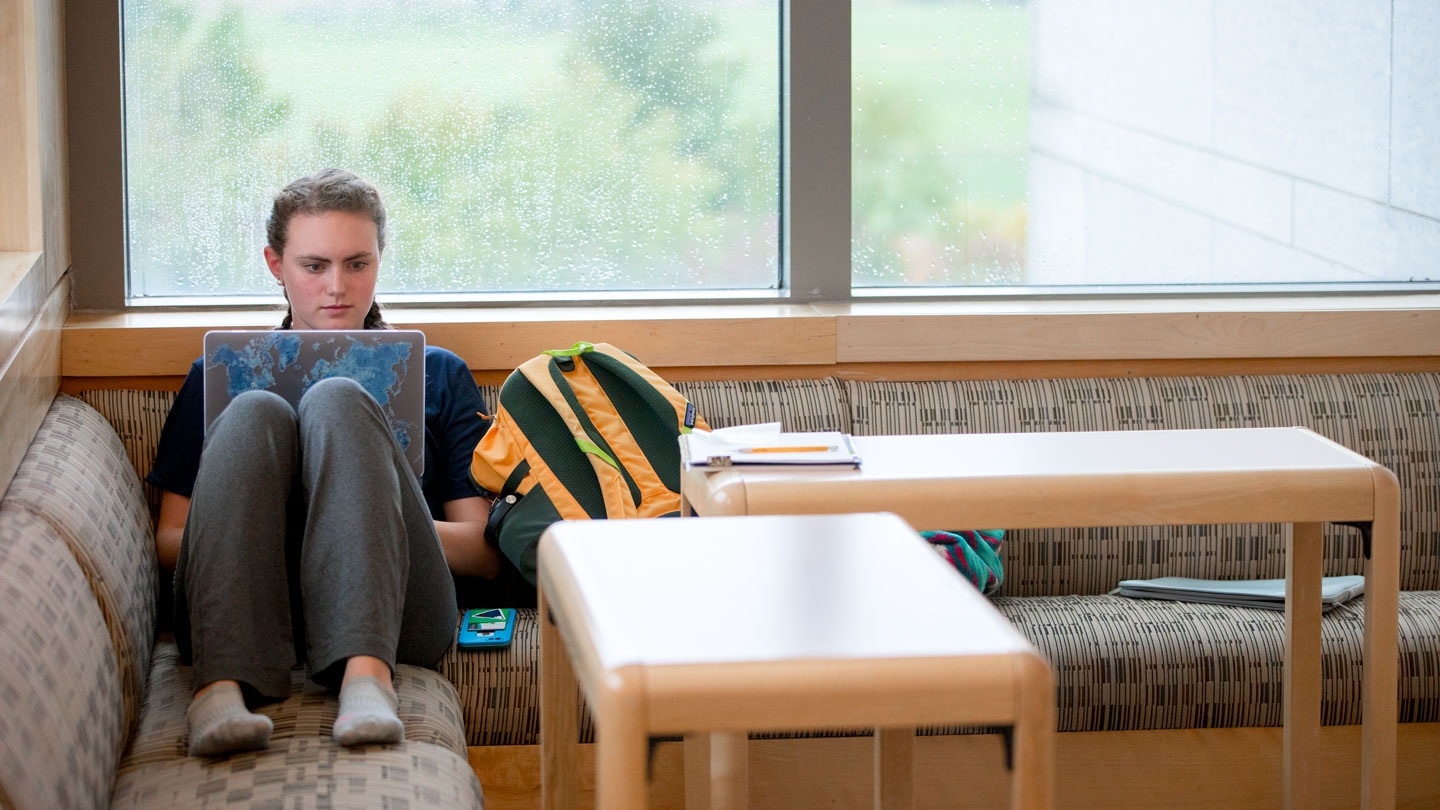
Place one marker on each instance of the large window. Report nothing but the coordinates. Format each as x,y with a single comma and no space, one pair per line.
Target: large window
1234,143
533,146
1108,144
520,145
940,125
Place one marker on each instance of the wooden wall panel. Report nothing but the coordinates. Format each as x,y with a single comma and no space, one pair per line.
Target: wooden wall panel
29,380
160,343
510,776
34,232
1233,768
704,341
20,225
711,343
23,291
1137,335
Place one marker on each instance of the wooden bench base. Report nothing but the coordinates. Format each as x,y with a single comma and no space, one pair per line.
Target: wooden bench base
1201,769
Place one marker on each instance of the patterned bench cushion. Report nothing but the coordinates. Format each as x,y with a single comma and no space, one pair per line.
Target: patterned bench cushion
1148,664
1393,419
428,706
500,688
1121,664
798,405
139,416
77,478
62,724
309,772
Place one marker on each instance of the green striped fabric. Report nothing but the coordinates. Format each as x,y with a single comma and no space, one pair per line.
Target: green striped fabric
632,397
547,432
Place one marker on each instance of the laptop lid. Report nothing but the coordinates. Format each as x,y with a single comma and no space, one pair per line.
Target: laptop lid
389,363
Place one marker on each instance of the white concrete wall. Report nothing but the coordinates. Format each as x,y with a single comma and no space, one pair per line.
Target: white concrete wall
1234,141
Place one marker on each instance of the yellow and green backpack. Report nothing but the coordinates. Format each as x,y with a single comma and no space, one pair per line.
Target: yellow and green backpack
587,432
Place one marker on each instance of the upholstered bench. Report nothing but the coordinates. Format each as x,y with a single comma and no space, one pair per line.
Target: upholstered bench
95,704
1137,667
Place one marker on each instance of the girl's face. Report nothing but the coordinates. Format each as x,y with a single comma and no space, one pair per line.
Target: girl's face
329,268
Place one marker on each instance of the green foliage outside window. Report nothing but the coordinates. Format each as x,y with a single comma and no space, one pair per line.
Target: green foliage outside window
635,154
940,142
550,145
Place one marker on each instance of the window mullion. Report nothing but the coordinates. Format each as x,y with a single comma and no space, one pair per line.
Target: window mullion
815,164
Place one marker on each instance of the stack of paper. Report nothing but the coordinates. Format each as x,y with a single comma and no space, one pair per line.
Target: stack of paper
1259,593
765,446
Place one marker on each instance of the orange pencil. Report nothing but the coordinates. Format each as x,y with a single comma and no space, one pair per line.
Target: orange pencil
818,448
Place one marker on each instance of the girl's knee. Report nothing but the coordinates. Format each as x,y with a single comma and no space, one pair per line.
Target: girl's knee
258,411
335,394
337,404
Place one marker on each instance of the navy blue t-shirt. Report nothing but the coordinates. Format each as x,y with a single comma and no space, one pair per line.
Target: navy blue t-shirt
453,426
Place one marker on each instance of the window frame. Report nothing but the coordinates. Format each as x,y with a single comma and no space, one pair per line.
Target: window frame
815,195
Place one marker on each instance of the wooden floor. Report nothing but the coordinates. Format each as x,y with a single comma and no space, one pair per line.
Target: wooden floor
1234,769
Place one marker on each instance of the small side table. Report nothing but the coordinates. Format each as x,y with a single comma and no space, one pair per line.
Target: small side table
730,625
1145,478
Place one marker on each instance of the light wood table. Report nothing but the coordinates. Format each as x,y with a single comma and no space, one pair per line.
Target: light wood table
732,625
1144,478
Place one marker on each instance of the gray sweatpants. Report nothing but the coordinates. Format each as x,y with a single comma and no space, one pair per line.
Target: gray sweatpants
308,539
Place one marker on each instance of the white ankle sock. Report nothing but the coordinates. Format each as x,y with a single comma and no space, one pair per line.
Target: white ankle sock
367,713
220,723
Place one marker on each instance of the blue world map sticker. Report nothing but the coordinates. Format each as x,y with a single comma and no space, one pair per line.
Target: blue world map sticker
289,363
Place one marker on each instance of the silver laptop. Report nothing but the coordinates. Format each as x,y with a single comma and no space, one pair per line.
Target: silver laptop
389,363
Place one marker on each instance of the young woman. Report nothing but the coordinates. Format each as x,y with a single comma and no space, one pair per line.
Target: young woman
302,533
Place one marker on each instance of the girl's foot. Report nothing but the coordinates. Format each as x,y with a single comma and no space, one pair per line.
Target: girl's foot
220,723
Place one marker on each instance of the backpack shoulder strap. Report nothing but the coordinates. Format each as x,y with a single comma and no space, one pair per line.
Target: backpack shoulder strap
527,435
619,494
659,394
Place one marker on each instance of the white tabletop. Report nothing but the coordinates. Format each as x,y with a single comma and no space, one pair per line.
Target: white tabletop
725,590
1038,480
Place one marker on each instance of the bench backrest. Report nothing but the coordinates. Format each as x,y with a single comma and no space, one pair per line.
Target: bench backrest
78,588
1391,418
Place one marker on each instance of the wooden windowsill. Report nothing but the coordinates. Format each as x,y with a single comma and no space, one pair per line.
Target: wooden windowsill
810,338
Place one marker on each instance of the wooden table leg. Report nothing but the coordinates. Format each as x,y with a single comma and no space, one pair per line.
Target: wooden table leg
730,770
1304,568
697,771
559,726
622,740
621,750
1381,650
1032,783
894,768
